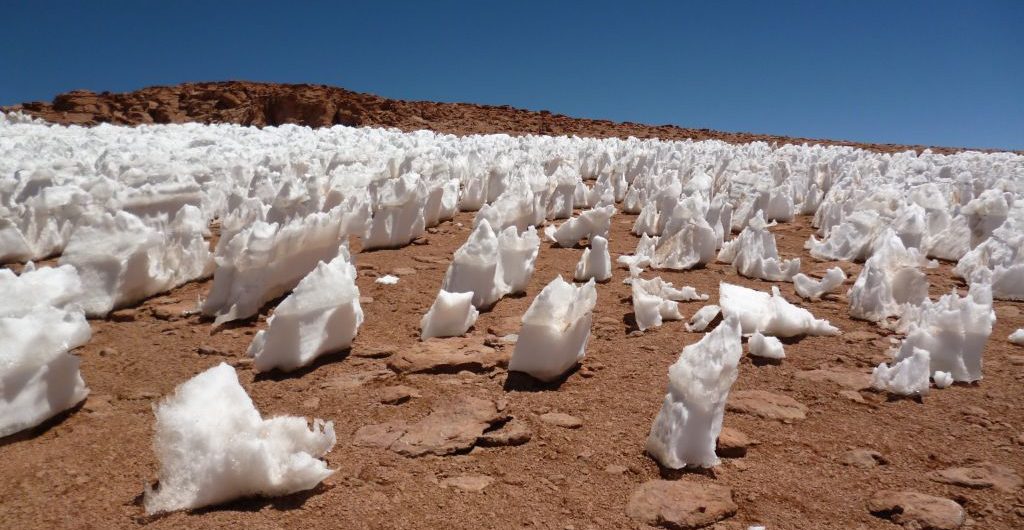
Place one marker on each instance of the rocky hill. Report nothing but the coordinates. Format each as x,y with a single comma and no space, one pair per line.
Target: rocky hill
263,104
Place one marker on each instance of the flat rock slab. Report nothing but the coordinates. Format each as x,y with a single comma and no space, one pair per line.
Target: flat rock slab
449,429
561,420
445,356
980,475
917,510
679,504
766,405
845,378
471,483
379,436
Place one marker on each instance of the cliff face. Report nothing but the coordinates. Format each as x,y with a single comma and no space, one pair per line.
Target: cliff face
262,104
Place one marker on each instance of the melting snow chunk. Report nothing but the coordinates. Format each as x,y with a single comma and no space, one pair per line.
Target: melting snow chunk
593,222
889,281
517,254
213,447
654,301
387,279
907,377
321,315
491,266
755,255
811,289
702,318
1017,337
555,330
770,314
265,261
595,262
766,347
399,212
122,260
942,379
690,419
451,315
476,268
689,242
38,377
953,331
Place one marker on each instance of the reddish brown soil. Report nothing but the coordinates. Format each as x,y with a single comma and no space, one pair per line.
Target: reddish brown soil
260,104
87,469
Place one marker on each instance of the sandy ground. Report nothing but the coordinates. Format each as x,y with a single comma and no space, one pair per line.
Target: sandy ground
88,468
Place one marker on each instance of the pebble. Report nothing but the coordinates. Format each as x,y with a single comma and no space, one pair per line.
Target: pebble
561,420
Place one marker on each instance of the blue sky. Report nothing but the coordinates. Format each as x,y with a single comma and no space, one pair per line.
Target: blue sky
931,72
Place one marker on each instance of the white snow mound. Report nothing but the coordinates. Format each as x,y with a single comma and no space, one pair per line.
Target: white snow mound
555,330
214,447
689,422
321,315
769,314
451,315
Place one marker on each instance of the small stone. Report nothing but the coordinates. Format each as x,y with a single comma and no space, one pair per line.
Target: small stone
108,352
365,300
853,396
403,271
172,312
916,510
511,434
561,420
980,475
396,395
421,241
208,350
732,443
470,483
679,504
766,405
615,469
98,404
124,315
241,362
635,334
862,458
312,403
373,352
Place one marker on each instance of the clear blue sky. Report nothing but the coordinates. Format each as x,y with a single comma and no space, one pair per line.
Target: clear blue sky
932,72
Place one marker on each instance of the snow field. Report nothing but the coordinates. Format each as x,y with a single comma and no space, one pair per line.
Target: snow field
129,212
